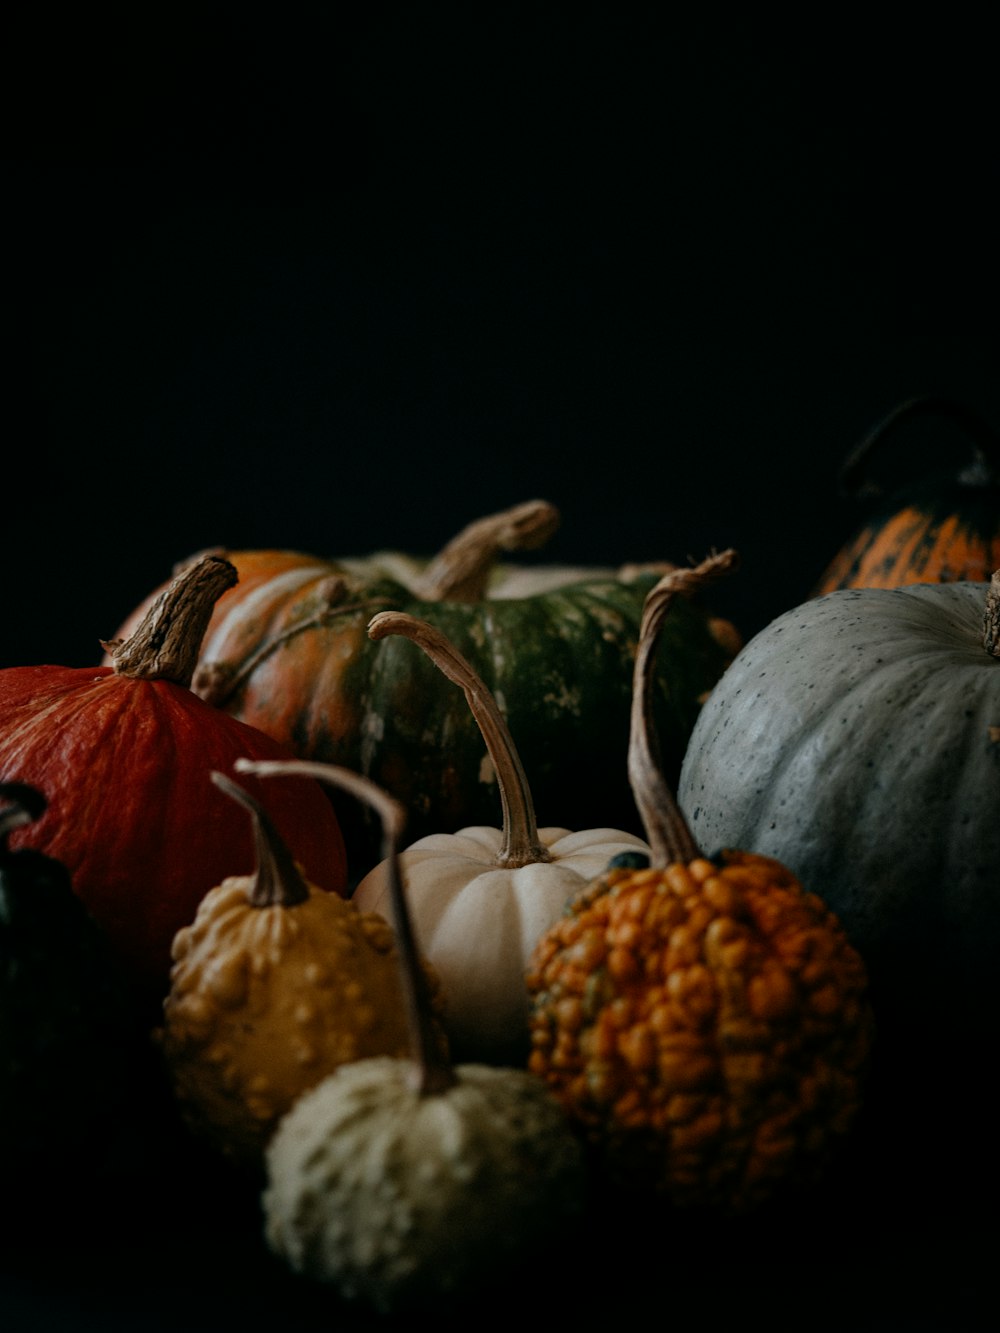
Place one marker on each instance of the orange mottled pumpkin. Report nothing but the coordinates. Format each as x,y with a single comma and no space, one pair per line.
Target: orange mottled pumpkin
943,528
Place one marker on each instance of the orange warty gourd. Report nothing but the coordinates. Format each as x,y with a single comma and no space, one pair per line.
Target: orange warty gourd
704,1022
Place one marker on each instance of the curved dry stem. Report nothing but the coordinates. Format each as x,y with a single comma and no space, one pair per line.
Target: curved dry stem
277,880
460,571
520,845
434,1073
167,641
666,829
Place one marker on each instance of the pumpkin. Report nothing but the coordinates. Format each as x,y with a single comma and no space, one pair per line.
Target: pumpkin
274,984
942,527
287,651
704,1022
857,739
407,1184
480,897
124,755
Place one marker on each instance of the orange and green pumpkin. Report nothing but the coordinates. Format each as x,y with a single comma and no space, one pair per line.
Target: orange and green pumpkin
288,651
942,528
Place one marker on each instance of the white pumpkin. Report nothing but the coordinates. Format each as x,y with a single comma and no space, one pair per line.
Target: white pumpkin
480,898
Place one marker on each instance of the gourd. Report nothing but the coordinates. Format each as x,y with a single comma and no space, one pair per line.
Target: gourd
409,1184
857,739
480,897
67,1034
287,651
274,984
124,753
942,527
704,1022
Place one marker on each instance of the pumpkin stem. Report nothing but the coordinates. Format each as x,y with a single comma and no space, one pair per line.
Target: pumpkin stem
460,571
277,880
433,1073
167,641
521,845
991,617
985,450
667,831
25,805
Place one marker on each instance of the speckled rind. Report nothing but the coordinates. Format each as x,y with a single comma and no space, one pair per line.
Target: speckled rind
854,739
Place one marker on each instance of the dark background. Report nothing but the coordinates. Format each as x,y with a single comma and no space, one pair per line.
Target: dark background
339,280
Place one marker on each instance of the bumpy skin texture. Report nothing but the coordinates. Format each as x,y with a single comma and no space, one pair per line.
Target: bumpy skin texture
132,812
557,656
267,1001
405,1201
477,922
855,740
706,1027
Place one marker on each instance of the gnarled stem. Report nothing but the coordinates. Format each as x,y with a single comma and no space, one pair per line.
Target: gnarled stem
521,845
433,1073
460,571
167,641
667,832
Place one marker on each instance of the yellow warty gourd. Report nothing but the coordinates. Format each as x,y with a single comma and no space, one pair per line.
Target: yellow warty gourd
275,984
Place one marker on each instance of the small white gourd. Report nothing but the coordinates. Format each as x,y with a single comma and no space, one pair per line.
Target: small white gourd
482,897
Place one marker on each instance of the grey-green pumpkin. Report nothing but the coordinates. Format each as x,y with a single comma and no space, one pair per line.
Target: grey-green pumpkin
857,739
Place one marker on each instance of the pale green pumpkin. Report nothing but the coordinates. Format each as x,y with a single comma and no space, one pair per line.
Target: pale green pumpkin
857,740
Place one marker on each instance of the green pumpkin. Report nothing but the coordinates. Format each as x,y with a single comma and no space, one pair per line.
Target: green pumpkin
288,652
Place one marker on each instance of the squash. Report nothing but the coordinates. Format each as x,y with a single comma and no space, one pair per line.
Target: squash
857,739
273,986
124,754
480,897
407,1184
942,527
287,651
704,1022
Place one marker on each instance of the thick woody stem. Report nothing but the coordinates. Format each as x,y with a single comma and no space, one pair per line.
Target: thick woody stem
991,617
434,1073
277,880
460,571
521,845
167,641
667,831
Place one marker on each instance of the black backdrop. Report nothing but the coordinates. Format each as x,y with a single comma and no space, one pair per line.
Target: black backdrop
332,279
307,276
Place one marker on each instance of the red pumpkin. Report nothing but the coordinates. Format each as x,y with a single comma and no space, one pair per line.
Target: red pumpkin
123,754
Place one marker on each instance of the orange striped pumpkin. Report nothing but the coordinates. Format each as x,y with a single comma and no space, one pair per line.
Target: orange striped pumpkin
944,528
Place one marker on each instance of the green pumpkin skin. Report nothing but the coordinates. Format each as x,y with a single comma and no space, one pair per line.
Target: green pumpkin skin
558,661
855,740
